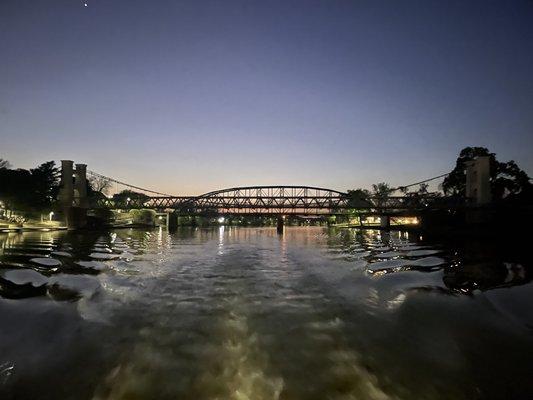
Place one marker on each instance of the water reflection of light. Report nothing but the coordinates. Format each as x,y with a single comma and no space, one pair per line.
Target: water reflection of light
377,273
221,240
283,248
160,237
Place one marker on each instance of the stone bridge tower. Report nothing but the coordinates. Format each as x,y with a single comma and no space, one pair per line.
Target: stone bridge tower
478,189
73,194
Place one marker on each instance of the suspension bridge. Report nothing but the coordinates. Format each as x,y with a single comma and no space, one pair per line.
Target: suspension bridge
262,200
250,200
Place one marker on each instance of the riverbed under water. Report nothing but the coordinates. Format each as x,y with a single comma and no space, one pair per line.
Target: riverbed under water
244,313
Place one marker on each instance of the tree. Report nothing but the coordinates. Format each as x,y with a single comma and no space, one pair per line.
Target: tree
4,164
358,198
45,185
33,190
505,177
128,198
423,189
100,184
15,184
404,189
381,191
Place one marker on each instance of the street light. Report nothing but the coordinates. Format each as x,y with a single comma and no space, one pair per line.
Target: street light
51,215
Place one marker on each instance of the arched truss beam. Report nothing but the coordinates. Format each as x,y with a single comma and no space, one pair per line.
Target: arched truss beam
273,199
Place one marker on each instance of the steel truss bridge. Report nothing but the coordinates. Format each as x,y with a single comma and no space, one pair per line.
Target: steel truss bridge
286,200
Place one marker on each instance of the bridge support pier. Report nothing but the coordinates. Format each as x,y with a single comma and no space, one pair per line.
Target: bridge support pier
280,224
172,221
384,221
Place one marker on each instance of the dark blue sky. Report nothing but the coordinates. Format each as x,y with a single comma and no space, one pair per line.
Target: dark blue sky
189,96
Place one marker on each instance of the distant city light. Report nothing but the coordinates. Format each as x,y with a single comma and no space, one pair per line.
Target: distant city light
221,220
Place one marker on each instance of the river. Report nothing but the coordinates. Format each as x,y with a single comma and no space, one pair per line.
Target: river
244,313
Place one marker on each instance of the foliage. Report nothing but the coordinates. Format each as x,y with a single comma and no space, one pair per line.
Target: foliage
92,191
99,184
423,189
358,198
145,217
45,179
381,190
4,164
127,197
29,190
505,177
103,214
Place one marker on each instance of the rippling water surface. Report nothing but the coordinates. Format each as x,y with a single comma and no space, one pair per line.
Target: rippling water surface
242,313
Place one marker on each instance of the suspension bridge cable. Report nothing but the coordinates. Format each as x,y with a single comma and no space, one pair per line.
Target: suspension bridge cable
127,184
419,183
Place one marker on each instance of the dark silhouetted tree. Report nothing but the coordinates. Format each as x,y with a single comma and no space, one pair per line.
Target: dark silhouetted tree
4,164
15,184
381,192
45,185
423,189
135,198
33,190
358,198
100,184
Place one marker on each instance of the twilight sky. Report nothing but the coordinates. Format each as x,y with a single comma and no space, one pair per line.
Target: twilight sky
190,96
